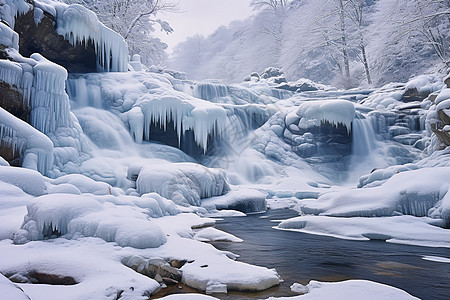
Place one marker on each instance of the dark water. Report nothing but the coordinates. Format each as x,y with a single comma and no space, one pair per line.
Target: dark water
300,257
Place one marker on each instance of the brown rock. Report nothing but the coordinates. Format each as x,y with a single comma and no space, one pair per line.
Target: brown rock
447,81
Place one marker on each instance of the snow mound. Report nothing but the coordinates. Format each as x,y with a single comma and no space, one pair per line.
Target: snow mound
85,184
223,273
244,200
183,183
31,182
75,216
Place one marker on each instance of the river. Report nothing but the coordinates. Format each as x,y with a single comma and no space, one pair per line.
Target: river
300,257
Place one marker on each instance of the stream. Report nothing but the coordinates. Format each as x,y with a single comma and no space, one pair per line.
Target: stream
300,257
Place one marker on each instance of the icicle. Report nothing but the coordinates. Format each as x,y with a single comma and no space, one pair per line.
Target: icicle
203,118
335,112
34,145
80,26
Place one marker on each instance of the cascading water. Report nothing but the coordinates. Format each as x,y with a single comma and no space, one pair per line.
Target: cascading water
363,139
82,93
210,91
364,156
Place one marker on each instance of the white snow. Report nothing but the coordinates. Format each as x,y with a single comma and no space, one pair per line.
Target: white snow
399,229
10,290
211,234
416,192
350,289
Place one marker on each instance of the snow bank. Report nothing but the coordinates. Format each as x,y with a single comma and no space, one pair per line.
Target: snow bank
75,216
30,181
183,183
350,289
416,192
398,229
244,200
335,112
92,263
10,290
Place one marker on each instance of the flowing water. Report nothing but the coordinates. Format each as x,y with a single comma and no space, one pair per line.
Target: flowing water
300,257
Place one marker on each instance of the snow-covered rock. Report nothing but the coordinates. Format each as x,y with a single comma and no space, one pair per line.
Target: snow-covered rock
184,183
73,216
244,200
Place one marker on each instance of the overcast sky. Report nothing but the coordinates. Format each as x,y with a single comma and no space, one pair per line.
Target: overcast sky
202,17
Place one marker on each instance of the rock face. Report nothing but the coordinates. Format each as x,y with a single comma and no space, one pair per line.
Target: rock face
11,99
43,38
438,129
413,94
447,81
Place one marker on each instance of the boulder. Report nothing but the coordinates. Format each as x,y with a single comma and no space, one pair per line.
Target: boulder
447,81
156,268
413,94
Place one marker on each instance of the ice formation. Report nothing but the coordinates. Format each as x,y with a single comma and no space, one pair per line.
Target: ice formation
36,147
202,117
80,26
335,112
49,102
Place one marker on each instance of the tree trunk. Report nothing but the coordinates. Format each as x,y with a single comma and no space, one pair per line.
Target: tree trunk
366,64
344,39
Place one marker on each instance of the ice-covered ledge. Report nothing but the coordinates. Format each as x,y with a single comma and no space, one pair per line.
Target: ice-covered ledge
20,136
335,112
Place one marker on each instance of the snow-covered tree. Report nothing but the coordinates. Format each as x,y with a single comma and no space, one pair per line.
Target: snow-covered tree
135,20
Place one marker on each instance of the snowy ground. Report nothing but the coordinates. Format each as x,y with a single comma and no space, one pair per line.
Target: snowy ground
119,216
